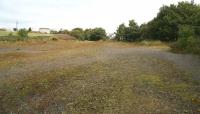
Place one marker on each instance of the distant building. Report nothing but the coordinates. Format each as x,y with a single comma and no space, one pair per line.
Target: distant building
44,30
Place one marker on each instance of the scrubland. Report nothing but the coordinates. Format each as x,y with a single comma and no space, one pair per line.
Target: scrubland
70,76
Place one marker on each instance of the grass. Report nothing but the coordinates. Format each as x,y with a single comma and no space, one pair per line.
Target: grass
91,77
31,34
146,43
150,43
4,33
12,36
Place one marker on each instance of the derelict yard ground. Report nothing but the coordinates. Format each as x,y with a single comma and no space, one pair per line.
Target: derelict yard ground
70,76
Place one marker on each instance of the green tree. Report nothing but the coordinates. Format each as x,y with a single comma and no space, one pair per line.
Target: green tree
121,32
54,32
130,33
168,21
144,29
78,33
87,34
97,34
66,31
14,29
29,29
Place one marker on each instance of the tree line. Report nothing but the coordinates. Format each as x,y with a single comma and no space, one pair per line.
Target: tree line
179,24
94,34
174,23
171,23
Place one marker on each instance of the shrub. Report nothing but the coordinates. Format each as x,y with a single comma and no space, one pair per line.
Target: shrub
97,34
29,29
193,45
65,32
89,34
14,29
189,45
10,34
54,39
187,41
186,31
53,32
23,33
78,33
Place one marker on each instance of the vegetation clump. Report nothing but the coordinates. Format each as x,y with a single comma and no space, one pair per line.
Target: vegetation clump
22,34
130,33
188,40
89,34
54,39
78,33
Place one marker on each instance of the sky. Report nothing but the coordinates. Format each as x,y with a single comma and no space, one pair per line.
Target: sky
69,14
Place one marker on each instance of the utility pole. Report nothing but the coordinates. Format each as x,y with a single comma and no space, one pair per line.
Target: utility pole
17,25
192,1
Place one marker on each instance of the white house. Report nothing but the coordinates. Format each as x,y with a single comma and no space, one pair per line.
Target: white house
44,30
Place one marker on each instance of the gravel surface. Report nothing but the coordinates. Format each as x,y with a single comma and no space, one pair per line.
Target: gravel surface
101,79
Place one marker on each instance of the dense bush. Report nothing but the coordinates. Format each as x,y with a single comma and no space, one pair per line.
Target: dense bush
97,34
187,41
186,31
89,34
78,33
65,32
29,29
189,45
54,32
23,33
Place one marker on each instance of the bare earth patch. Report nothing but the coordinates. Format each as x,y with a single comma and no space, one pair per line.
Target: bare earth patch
68,76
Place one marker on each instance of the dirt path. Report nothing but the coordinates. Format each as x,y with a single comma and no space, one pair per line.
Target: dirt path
103,79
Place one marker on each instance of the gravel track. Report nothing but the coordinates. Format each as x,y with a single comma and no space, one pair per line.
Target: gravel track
125,80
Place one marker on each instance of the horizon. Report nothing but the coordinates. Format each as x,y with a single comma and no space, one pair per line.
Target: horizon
78,13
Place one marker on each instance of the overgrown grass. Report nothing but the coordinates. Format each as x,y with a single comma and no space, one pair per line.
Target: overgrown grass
151,43
6,33
13,37
17,38
125,83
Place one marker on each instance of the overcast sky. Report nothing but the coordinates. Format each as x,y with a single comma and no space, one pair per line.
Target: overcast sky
68,14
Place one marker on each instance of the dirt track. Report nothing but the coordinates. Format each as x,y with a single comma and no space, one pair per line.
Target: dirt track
100,78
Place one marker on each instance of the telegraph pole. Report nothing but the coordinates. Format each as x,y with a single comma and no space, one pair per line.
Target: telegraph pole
17,25
192,1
